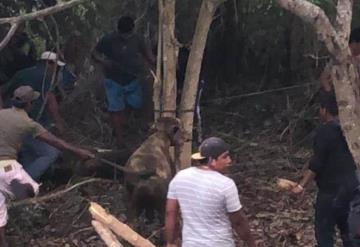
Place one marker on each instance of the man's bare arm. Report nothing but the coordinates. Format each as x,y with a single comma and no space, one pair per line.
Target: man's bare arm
241,226
172,212
100,58
53,108
147,53
52,140
308,176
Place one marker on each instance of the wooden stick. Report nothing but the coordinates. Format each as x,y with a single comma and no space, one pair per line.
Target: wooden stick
54,195
119,228
128,170
106,235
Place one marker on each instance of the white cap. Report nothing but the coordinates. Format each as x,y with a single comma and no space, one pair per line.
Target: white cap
52,56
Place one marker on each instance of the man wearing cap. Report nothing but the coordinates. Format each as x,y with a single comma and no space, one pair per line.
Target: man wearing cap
122,55
207,200
15,125
37,156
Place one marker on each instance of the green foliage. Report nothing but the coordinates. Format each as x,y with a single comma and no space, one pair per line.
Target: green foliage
257,36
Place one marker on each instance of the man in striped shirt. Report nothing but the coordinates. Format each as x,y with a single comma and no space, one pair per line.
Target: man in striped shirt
207,200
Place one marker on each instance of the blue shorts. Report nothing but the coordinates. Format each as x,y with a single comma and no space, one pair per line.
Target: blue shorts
118,96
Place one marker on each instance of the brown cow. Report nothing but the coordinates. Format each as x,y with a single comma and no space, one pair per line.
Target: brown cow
153,160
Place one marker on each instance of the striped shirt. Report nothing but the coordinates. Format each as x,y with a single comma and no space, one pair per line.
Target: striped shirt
205,198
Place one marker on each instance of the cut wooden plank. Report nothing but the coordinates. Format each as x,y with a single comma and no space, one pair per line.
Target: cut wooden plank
119,228
106,235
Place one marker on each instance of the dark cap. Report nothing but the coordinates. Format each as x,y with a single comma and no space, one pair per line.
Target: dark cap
211,147
25,94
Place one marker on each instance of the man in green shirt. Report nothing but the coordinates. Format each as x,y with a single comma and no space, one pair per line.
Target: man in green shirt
15,125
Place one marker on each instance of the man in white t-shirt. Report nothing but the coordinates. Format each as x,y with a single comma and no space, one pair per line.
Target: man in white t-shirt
207,200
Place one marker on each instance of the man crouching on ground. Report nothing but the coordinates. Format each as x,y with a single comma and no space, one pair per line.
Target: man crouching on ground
15,124
207,200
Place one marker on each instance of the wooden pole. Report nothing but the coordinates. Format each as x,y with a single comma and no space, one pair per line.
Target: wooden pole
169,60
158,77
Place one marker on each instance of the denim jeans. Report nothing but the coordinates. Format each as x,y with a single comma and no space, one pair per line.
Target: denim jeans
327,216
37,156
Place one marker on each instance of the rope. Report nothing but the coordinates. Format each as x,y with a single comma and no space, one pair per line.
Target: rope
258,93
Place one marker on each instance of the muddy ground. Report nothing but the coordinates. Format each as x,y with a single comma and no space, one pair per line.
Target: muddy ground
262,150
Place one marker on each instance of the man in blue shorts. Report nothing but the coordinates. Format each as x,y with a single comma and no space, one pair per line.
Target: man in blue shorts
122,55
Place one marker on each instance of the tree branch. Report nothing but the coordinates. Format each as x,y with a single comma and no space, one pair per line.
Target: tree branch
8,36
41,13
314,15
57,194
216,2
16,20
343,20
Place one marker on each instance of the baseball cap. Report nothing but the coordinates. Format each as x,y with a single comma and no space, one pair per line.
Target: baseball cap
211,147
25,94
52,56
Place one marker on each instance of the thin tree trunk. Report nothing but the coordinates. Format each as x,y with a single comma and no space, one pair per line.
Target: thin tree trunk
345,76
169,60
231,47
158,77
207,11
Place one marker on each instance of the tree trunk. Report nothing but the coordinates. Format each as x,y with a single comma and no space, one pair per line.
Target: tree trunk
344,74
169,60
158,77
207,11
231,48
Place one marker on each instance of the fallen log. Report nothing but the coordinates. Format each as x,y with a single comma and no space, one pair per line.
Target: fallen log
106,235
119,228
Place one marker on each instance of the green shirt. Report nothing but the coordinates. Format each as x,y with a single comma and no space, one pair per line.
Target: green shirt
15,125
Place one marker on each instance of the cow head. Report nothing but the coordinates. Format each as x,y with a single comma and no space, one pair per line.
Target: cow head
173,128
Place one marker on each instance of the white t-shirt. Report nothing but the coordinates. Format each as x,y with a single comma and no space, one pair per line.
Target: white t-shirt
205,198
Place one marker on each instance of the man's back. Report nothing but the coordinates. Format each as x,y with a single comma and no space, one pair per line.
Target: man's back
332,161
205,198
14,126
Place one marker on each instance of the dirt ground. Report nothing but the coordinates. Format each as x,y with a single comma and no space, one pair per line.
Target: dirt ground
276,217
261,154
